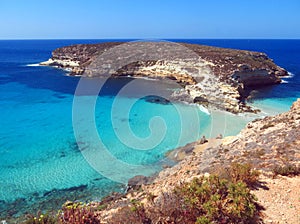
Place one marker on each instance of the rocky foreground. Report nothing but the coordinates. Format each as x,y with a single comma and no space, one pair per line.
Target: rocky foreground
210,76
270,145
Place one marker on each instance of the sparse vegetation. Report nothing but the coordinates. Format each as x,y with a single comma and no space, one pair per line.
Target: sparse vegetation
75,213
207,199
215,200
71,213
238,172
243,173
204,200
287,170
41,219
127,215
259,153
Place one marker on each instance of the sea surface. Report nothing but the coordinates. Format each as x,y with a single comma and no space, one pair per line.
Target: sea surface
48,157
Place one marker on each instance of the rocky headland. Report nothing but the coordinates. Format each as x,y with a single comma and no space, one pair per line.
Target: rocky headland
230,74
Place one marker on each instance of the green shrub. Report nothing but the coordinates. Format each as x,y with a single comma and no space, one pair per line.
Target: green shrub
287,170
243,172
204,200
238,172
77,213
211,199
41,219
71,213
202,220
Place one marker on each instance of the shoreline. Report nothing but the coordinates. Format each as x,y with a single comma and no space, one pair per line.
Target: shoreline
210,140
242,114
186,158
196,160
211,114
204,108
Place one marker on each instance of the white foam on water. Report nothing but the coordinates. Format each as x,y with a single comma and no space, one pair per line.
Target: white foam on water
33,65
203,109
290,75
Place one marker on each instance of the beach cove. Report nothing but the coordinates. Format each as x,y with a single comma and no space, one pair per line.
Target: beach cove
39,153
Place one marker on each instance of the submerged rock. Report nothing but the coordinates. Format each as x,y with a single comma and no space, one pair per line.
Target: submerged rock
157,99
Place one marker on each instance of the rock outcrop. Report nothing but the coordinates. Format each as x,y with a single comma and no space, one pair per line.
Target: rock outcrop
233,71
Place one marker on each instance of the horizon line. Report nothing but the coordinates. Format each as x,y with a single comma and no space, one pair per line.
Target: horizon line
179,38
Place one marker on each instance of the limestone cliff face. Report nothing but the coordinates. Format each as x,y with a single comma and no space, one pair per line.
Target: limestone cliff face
234,70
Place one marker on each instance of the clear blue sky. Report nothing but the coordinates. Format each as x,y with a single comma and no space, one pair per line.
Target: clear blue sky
59,19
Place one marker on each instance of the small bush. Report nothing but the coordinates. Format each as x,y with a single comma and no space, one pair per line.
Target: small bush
238,172
204,200
244,173
41,219
287,170
133,214
77,213
212,199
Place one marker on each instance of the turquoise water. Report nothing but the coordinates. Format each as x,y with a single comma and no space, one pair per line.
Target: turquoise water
39,152
40,158
42,162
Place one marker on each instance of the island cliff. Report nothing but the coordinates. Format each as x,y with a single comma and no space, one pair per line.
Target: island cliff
235,71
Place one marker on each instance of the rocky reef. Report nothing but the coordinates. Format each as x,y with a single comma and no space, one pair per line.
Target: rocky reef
232,72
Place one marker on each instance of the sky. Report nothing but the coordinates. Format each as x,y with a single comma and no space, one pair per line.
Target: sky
155,19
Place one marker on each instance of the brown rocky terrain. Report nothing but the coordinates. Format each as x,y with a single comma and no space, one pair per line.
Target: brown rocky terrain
265,144
209,75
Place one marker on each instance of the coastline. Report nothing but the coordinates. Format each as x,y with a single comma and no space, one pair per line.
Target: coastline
241,114
197,159
221,117
213,132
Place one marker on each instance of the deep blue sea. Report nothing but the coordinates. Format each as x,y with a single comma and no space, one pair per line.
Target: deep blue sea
44,163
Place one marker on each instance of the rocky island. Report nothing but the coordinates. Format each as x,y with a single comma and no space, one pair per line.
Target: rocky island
232,73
